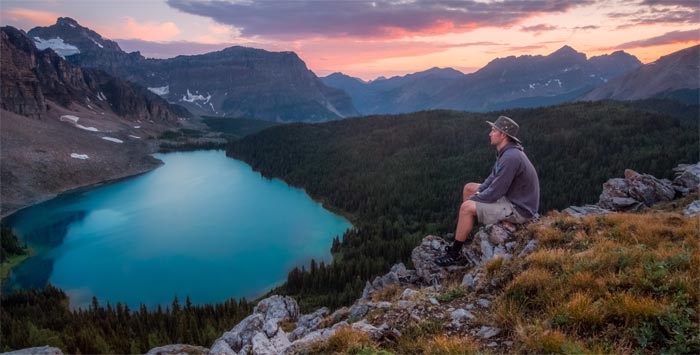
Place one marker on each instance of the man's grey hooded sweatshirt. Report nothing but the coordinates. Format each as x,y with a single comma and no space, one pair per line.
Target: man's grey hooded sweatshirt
514,177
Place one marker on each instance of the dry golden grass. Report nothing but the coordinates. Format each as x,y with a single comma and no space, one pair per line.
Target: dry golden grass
494,265
389,294
448,345
344,341
619,283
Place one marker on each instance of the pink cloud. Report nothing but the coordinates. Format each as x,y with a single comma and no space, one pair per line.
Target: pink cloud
378,19
147,31
31,18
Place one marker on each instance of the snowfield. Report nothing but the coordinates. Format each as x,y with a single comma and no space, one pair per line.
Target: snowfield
61,48
113,139
79,156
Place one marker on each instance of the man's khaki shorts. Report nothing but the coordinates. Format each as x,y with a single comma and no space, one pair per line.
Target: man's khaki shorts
501,210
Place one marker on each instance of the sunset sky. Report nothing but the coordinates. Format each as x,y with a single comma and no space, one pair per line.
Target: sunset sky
368,39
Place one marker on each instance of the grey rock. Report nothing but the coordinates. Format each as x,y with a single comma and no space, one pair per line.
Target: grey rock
398,268
220,347
488,332
177,349
396,332
469,306
492,344
510,245
297,333
486,250
372,331
422,258
483,302
406,304
389,279
693,209
433,301
687,178
528,249
339,325
366,292
461,314
278,308
39,350
340,314
358,311
581,211
408,293
312,320
468,281
380,305
246,350
261,345
270,328
635,191
280,341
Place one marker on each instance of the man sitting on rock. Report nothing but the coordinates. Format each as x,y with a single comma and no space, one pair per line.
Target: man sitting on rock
511,193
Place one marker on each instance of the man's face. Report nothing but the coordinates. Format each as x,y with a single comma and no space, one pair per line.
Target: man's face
496,136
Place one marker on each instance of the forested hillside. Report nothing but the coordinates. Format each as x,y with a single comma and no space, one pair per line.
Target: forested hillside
401,177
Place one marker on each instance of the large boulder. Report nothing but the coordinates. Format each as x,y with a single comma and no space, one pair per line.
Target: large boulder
687,178
634,192
177,349
39,350
260,333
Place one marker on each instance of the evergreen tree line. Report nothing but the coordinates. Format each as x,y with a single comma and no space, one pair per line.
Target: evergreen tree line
400,177
39,317
397,178
9,244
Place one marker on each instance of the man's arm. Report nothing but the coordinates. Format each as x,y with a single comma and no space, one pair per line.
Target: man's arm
484,185
502,179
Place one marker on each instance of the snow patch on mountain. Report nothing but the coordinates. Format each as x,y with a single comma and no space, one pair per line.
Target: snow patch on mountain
61,48
192,98
162,90
79,156
115,140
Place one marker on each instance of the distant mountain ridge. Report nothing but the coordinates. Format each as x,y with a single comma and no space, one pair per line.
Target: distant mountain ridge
236,81
524,81
677,71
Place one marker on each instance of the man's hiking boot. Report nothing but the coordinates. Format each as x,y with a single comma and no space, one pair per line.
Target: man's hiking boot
450,259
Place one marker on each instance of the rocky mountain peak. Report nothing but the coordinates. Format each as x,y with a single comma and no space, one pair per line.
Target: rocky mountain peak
66,33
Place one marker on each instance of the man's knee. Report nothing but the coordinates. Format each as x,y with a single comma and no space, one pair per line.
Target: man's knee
470,189
468,208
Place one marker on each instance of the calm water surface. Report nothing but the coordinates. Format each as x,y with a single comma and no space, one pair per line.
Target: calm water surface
202,225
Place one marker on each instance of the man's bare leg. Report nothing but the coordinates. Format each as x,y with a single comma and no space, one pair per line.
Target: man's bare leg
465,223
469,190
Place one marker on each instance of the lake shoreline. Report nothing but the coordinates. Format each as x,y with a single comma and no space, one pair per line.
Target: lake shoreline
203,170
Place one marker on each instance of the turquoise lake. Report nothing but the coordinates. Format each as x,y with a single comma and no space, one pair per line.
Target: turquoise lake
202,225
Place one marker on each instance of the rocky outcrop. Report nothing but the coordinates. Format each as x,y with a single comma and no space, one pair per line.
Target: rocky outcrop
40,350
178,349
637,191
30,77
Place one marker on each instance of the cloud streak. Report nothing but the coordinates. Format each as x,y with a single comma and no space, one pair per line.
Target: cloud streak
367,19
31,17
667,38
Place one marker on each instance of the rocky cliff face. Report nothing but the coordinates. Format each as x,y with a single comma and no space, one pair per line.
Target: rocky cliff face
236,82
31,76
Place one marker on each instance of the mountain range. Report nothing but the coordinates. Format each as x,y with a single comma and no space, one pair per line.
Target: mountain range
234,82
670,75
523,81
